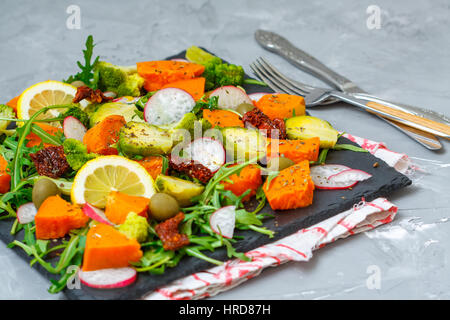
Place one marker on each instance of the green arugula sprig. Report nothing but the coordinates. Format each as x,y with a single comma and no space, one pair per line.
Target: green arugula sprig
196,225
87,74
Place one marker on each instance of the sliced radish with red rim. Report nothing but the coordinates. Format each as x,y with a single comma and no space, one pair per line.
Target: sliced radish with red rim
320,175
230,97
108,278
168,106
349,175
208,152
26,213
223,221
73,128
96,214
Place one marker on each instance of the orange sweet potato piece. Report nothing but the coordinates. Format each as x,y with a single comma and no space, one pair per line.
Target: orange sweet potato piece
281,106
56,217
248,178
13,103
108,248
119,205
153,165
292,188
100,137
195,87
296,150
5,178
159,73
34,140
222,118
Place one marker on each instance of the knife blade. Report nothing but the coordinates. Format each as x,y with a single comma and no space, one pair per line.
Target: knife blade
277,44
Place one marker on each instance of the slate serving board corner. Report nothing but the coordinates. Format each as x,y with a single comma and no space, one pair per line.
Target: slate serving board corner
327,203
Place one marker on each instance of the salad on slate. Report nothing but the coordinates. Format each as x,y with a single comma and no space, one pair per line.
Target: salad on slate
122,170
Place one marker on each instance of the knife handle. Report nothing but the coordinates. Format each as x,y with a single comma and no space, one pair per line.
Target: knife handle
440,129
280,45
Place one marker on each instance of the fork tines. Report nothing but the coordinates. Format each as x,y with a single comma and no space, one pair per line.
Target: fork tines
276,80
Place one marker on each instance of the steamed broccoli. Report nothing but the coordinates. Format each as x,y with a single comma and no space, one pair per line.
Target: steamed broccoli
135,227
76,153
75,111
6,112
122,80
217,73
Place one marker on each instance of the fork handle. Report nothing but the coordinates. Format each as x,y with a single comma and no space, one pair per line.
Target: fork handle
437,128
442,129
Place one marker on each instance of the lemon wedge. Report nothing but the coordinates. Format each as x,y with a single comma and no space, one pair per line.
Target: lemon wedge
44,94
98,177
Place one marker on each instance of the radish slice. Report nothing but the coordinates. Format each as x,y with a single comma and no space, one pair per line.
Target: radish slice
320,176
73,128
223,221
96,214
26,213
208,152
108,278
258,95
329,176
350,175
180,60
168,106
230,97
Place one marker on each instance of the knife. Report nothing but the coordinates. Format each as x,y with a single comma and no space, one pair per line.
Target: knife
306,62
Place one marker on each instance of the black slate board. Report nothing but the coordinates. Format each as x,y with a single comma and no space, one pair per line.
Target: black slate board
327,203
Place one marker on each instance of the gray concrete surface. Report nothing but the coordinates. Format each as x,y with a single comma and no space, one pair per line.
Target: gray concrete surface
406,60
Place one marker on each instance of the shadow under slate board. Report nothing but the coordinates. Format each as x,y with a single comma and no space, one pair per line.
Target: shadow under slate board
327,203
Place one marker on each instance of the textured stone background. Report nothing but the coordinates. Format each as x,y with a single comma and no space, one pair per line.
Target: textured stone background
406,60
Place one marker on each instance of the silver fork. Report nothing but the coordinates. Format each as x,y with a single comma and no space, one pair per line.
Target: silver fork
318,96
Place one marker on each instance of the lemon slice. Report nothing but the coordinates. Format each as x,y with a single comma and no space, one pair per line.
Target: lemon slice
98,177
44,94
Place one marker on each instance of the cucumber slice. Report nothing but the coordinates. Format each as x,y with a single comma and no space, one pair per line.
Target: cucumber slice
180,189
139,138
128,111
305,127
244,144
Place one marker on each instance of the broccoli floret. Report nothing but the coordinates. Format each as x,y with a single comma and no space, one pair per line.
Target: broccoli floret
76,153
135,227
217,73
122,80
6,112
75,111
228,75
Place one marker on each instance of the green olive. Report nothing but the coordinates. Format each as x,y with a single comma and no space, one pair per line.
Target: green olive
42,189
279,163
163,206
243,108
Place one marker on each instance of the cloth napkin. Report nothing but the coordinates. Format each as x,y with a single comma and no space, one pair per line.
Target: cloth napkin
295,247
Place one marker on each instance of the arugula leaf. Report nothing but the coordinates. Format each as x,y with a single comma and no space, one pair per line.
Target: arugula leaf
345,146
87,73
212,103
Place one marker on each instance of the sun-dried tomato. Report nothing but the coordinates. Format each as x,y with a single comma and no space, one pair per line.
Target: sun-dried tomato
191,168
259,120
168,232
94,96
50,162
